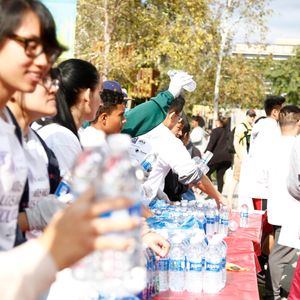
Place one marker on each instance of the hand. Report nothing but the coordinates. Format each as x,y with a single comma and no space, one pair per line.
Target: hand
157,243
77,230
178,81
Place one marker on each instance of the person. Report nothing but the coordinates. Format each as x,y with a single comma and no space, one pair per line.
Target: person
28,42
109,120
241,143
173,188
43,170
110,116
252,178
279,200
148,115
171,154
198,135
293,227
78,99
222,159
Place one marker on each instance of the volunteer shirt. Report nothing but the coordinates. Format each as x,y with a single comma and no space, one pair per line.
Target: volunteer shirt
253,180
280,201
171,155
64,144
38,178
13,173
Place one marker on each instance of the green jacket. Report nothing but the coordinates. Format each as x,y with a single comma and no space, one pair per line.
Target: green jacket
146,116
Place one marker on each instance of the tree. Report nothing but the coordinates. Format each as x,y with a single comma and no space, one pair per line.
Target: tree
231,13
284,78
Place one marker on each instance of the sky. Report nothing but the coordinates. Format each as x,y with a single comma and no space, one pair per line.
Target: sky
284,23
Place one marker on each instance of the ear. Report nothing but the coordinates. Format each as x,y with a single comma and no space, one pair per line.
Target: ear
87,95
103,118
172,116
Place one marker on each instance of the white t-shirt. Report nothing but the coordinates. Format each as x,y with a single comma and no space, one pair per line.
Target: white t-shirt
91,137
64,144
13,173
171,155
279,199
38,178
253,179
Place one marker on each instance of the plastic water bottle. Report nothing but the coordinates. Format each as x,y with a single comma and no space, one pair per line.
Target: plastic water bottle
176,265
244,215
123,272
213,268
210,221
163,271
195,268
63,191
201,220
190,87
148,162
223,249
223,221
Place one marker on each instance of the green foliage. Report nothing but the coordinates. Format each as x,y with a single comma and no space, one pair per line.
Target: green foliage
284,77
121,36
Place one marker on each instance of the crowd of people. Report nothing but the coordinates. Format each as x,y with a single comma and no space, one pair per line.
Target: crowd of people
42,112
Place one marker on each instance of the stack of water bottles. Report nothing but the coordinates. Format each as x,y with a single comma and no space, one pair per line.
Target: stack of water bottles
197,259
115,274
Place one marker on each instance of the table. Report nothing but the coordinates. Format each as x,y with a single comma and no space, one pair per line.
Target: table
252,233
243,249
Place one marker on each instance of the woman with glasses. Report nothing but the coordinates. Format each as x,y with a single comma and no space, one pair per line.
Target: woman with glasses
78,99
28,47
43,170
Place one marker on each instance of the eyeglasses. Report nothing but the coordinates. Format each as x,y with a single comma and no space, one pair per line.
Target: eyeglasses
48,83
252,116
34,47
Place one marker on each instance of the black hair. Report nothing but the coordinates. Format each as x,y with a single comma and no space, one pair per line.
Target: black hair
12,13
271,102
110,100
289,115
74,76
186,125
199,120
177,105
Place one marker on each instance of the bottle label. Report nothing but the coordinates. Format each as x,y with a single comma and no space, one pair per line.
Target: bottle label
211,267
133,211
62,189
176,265
146,166
224,222
210,220
195,266
244,215
223,264
163,265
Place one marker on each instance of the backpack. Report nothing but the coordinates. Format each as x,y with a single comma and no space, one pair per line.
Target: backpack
230,139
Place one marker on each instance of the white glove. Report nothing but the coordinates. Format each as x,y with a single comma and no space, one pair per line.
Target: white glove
178,81
39,216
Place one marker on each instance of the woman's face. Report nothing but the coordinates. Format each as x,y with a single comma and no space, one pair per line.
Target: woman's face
42,102
94,103
18,71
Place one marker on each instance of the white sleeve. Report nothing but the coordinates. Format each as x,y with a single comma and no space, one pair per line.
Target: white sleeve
293,180
181,163
26,272
40,215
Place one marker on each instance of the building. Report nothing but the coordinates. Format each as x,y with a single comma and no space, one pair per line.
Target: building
281,50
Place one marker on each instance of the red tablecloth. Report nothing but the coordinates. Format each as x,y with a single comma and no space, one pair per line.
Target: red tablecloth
239,285
252,233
